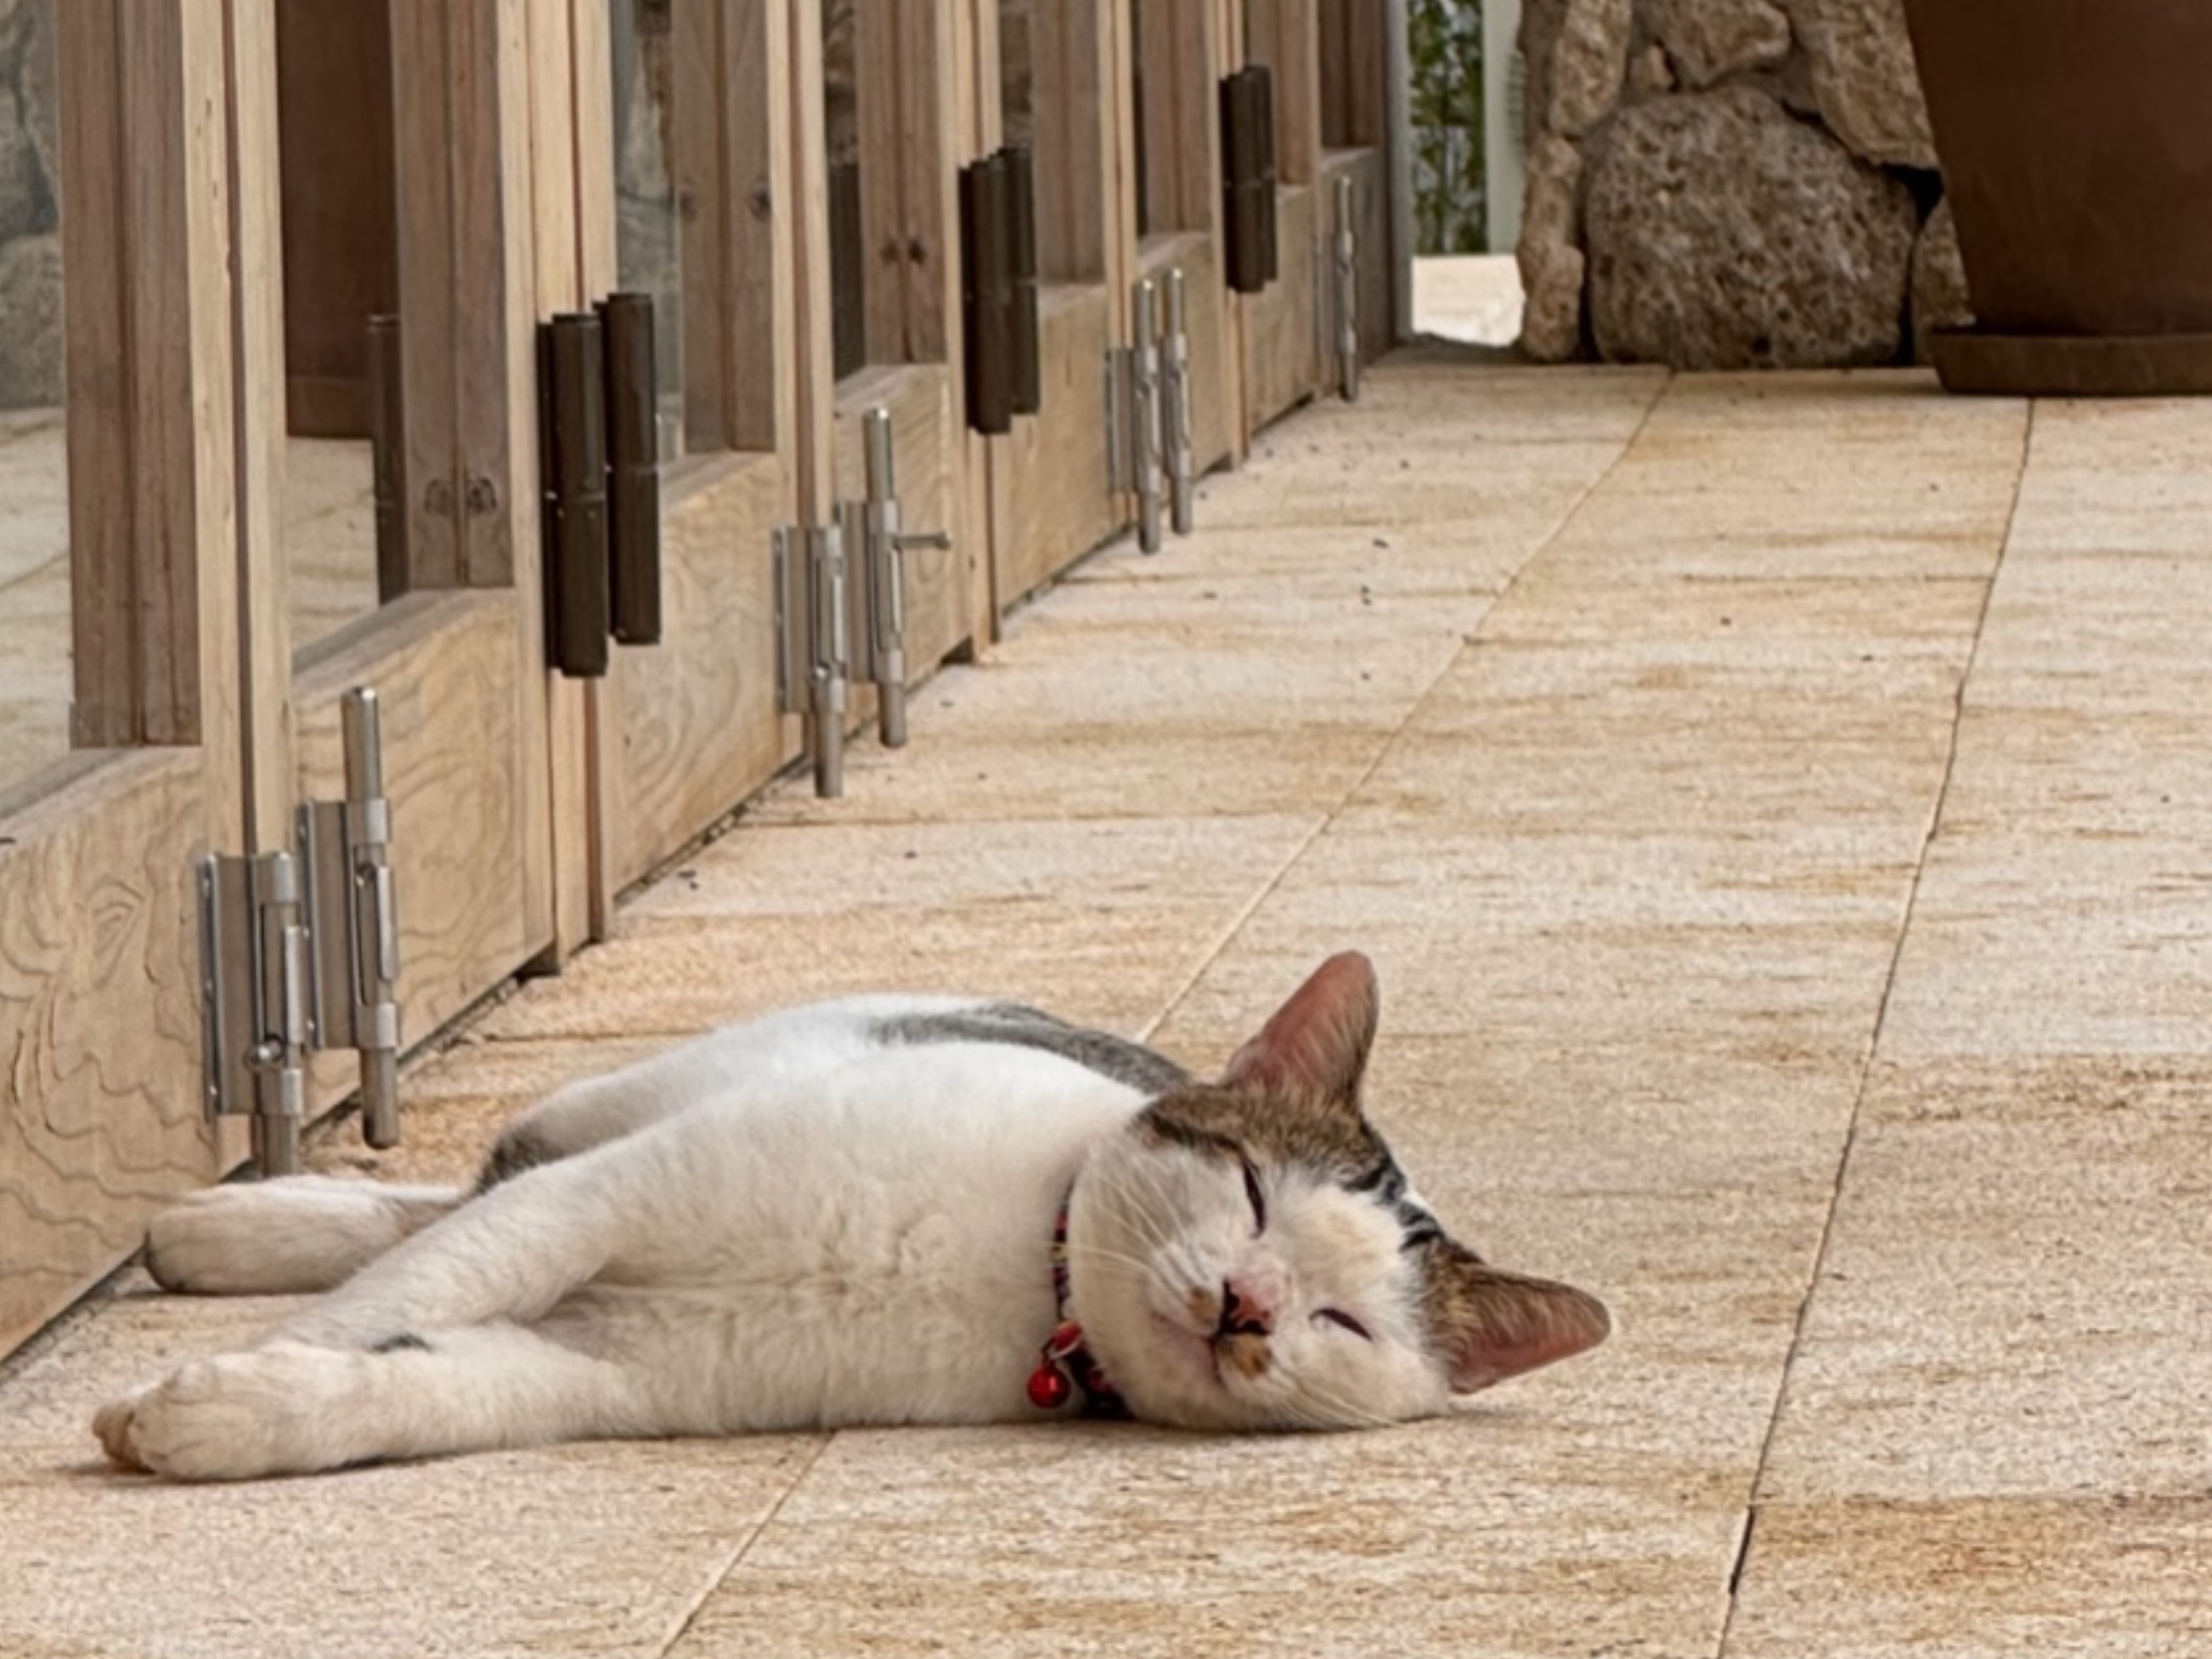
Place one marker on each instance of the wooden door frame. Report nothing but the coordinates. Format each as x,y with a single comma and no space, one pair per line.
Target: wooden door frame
484,747
1282,362
98,969
1040,520
684,730
912,61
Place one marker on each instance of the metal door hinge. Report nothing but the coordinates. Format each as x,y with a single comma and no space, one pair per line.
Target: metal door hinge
812,666
1148,425
999,289
1347,288
1248,178
300,952
876,545
1178,447
599,462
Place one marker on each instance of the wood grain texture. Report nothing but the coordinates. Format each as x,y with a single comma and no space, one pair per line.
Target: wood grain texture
1182,178
696,724
1354,58
1281,365
1073,172
1285,36
814,412
99,1027
429,301
259,323
1059,506
904,53
137,182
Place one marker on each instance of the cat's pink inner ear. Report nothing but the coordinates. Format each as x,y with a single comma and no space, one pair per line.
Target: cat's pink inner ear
1493,1326
1316,1043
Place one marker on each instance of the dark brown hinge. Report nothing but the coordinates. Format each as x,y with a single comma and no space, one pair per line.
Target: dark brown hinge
633,468
572,414
598,414
998,289
1248,177
987,294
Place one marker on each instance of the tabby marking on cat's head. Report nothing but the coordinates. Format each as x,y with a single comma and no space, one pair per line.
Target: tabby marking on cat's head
1248,1255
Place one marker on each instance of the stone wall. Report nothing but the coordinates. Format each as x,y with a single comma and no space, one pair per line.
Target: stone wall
30,209
1729,184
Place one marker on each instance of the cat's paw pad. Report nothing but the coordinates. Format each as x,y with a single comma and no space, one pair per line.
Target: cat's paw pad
235,1417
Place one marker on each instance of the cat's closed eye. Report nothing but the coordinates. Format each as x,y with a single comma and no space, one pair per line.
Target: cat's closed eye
1338,1317
1252,1191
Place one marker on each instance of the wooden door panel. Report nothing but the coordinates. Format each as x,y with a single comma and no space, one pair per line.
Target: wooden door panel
696,718
1281,368
455,693
1376,290
100,1021
929,451
1058,506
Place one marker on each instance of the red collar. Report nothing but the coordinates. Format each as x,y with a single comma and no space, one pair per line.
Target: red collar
1066,1364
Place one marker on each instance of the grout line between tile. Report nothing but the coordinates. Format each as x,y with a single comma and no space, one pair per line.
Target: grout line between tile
1468,641
1741,1569
738,1552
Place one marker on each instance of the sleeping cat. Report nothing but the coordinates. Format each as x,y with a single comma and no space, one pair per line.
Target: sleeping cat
894,1209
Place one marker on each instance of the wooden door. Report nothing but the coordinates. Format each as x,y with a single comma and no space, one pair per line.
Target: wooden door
1282,328
1176,57
881,81
1354,175
120,545
407,551
683,192
1051,93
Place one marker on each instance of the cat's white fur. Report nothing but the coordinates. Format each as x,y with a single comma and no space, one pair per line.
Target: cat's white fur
785,1224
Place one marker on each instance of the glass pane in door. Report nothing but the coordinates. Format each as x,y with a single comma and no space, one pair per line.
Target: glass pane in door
693,158
35,658
341,302
1016,73
840,104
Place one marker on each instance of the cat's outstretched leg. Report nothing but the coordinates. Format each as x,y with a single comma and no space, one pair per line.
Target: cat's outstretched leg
290,1236
512,1253
295,1409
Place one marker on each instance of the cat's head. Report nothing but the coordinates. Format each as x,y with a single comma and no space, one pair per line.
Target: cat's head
1247,1255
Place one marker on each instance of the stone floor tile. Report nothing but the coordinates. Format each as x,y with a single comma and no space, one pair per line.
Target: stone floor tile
1126,1542
2013,1301
2092,1579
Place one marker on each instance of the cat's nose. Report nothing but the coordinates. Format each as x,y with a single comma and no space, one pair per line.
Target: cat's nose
1243,1314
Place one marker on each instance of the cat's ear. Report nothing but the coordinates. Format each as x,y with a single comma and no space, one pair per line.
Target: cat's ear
1491,1326
1315,1046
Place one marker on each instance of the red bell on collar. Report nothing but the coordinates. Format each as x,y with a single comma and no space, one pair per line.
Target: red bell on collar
1050,1386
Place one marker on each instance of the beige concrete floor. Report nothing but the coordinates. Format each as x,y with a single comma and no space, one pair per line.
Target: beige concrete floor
1778,808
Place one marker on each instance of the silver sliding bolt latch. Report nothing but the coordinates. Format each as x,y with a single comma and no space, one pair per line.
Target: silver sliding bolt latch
812,664
1348,290
872,529
345,849
301,951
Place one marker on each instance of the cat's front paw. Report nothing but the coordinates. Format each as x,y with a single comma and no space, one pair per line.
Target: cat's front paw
114,1424
239,1416
258,1240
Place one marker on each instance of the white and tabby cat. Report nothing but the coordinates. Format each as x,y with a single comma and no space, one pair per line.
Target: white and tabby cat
847,1214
